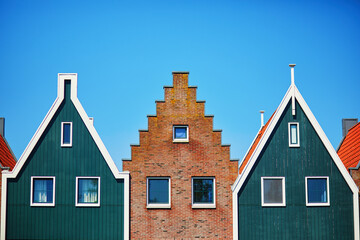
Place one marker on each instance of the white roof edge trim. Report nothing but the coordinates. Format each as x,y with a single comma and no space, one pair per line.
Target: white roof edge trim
39,132
48,117
249,148
253,158
239,181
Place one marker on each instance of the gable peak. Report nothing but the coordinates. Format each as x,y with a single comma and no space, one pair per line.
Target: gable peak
292,66
180,79
62,77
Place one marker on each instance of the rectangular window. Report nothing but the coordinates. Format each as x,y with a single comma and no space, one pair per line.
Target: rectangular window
317,191
87,192
158,192
203,192
180,134
66,134
42,191
273,192
294,139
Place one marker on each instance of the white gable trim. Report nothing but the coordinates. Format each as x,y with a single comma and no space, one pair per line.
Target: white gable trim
293,92
73,96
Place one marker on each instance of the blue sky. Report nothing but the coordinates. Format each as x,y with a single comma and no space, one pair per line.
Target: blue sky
237,53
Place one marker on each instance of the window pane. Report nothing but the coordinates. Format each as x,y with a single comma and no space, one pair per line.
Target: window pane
158,190
88,190
66,133
203,191
317,190
43,190
273,192
293,128
180,132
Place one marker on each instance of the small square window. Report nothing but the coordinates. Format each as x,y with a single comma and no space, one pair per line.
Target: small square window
317,191
158,192
66,134
42,191
294,138
181,134
87,192
273,191
203,192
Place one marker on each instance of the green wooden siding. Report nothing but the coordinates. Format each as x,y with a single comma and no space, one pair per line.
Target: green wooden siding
296,220
65,221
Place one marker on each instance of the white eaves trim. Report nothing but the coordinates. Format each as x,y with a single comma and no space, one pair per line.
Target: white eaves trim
293,93
88,123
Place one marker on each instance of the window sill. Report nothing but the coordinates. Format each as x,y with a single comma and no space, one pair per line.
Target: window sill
66,145
87,205
273,205
42,204
203,205
317,204
294,145
154,206
180,140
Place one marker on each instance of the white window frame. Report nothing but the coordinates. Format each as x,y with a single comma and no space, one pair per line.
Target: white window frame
263,204
203,205
62,134
327,192
157,205
32,203
181,139
297,132
77,204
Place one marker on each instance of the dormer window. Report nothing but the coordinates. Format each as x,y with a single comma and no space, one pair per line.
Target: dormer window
180,134
66,134
294,139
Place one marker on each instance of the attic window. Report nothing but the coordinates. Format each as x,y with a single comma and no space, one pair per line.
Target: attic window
294,139
180,134
66,134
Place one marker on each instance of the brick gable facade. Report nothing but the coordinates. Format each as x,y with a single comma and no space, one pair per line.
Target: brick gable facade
203,155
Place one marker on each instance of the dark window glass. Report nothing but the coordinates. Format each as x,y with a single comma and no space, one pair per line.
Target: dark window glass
203,191
43,190
66,133
273,192
158,190
88,190
317,190
180,132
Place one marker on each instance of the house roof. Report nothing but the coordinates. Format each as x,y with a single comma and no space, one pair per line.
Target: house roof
349,150
7,159
292,95
88,123
254,145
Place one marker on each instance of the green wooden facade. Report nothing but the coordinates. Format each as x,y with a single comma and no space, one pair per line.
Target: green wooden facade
295,220
48,158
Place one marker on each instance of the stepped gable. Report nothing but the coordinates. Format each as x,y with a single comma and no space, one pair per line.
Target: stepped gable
158,155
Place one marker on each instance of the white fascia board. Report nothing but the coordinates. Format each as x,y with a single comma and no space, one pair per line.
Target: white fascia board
325,141
243,176
118,175
252,143
335,158
262,141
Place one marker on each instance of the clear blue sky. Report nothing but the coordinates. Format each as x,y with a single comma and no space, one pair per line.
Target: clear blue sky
237,53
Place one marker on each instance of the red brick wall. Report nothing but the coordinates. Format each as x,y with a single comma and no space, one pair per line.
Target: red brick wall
203,155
